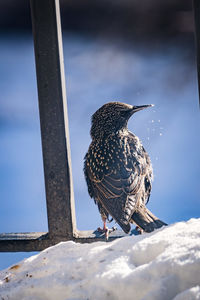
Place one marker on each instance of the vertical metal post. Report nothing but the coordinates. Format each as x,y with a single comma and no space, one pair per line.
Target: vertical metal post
196,7
55,139
53,117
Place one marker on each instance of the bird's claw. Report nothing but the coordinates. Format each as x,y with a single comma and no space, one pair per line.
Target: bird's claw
139,230
99,229
106,231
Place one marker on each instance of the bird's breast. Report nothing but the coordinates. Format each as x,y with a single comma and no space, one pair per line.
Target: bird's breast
114,153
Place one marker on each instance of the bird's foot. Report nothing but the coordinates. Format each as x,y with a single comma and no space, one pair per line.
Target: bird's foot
107,231
139,230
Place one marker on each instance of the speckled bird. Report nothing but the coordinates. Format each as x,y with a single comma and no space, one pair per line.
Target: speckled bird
118,170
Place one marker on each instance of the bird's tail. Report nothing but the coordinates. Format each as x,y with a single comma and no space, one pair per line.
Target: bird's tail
146,220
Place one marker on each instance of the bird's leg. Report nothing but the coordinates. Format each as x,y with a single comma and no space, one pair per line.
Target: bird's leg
139,230
105,229
104,225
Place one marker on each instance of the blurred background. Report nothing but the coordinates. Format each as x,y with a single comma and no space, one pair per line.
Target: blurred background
129,51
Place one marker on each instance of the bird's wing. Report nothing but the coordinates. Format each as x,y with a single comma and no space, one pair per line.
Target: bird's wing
116,183
117,193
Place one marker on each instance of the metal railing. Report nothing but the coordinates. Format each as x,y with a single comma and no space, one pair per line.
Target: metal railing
46,25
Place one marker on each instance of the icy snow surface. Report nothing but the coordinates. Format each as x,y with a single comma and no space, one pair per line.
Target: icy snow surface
162,265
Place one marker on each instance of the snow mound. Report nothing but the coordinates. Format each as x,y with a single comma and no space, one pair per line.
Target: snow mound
162,265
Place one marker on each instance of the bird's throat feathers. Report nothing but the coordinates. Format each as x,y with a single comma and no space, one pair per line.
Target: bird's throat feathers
109,130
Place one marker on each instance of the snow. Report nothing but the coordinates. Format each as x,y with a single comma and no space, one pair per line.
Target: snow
162,265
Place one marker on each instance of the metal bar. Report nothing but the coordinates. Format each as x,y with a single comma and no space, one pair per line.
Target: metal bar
38,241
53,117
94,236
196,7
13,242
55,139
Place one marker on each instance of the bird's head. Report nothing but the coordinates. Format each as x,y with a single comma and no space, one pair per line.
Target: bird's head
112,117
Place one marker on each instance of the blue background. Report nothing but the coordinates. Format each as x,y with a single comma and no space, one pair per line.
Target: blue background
99,70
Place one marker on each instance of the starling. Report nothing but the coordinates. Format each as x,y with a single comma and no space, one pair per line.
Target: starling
118,170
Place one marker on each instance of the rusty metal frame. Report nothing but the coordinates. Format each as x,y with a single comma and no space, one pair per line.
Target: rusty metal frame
47,35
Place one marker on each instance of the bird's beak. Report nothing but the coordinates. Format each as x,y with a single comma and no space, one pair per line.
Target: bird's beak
137,108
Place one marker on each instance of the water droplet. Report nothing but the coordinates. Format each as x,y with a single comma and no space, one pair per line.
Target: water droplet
160,134
158,121
152,121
